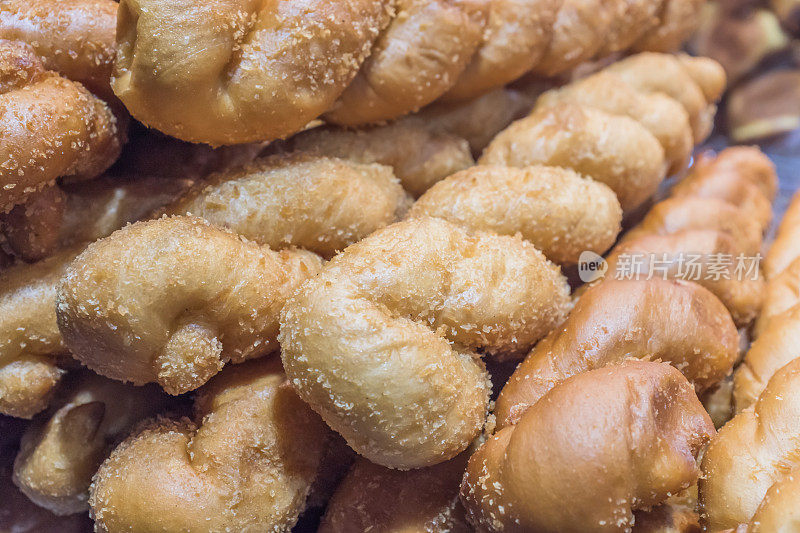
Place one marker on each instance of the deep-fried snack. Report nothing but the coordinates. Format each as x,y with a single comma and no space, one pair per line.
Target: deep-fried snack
697,83
754,455
689,213
173,300
32,229
50,127
419,157
663,116
785,248
30,343
615,150
228,72
245,461
633,435
585,29
317,203
673,321
677,21
557,210
709,257
739,164
72,37
60,453
375,498
781,295
478,120
383,342
414,61
18,514
517,36
776,345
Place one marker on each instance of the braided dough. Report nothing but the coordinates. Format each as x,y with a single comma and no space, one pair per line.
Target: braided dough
382,343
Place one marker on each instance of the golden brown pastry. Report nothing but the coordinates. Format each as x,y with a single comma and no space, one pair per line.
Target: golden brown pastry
414,61
740,164
420,157
612,149
785,248
708,257
72,37
378,499
31,230
383,342
754,455
663,116
557,210
674,215
60,452
633,433
674,321
30,342
517,36
50,127
318,203
172,300
245,461
477,120
777,345
782,294
228,72
677,21
697,83
18,514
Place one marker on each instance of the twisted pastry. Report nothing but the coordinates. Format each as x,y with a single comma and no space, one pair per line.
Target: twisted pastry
374,498
754,456
72,37
547,206
245,461
316,203
673,321
633,435
30,343
382,343
50,127
614,127
60,453
781,295
419,157
784,249
273,68
172,300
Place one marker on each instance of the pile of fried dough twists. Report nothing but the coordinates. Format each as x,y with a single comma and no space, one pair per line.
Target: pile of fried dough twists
315,264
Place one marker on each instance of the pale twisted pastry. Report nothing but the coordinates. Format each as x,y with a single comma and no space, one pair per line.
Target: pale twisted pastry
30,343
375,498
382,343
73,37
626,126
172,300
557,210
784,249
633,434
60,453
50,127
674,321
612,149
244,462
781,295
317,203
419,156
776,346
754,456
